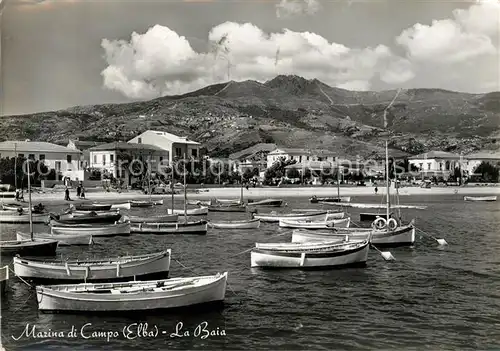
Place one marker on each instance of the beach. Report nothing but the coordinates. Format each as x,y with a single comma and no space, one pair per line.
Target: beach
264,192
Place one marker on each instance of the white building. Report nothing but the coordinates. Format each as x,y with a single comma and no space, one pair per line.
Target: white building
474,160
118,159
437,163
176,146
65,161
299,155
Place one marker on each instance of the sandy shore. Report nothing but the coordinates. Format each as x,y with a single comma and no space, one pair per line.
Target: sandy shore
255,193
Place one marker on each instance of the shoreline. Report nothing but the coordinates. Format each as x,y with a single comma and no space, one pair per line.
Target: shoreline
254,193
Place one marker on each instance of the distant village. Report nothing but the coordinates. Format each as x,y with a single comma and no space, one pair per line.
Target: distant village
83,161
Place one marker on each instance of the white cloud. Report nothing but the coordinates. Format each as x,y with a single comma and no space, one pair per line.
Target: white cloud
162,62
458,53
290,8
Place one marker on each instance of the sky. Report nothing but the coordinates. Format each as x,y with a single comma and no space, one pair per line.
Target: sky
61,53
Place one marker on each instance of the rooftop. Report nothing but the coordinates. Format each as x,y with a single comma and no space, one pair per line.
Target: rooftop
495,156
436,155
35,146
312,152
120,145
174,138
252,150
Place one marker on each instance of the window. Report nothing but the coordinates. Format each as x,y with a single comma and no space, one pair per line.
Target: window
440,166
307,158
178,152
300,158
95,159
139,140
421,165
68,158
428,166
58,166
111,158
31,156
194,152
103,159
41,157
161,158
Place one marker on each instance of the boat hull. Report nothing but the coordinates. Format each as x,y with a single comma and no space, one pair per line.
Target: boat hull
50,299
268,217
92,207
315,200
369,216
229,208
95,231
64,240
4,279
480,198
199,228
154,266
7,194
402,236
275,259
192,212
85,219
251,224
266,203
21,218
334,223
157,219
28,248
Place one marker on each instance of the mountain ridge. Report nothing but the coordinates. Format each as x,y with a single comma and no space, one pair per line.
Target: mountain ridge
289,111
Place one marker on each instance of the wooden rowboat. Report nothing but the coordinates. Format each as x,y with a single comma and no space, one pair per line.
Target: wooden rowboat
480,198
244,224
92,207
363,205
36,247
276,217
199,202
7,194
63,239
315,199
198,227
332,223
94,230
109,217
133,296
141,267
190,212
19,208
21,218
266,203
334,253
227,208
153,219
145,203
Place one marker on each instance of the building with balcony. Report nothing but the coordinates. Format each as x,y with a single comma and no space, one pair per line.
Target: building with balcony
176,146
65,161
437,163
299,155
122,160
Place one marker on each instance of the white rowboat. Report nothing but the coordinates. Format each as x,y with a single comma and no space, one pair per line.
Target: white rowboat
276,217
106,269
190,212
361,205
62,239
133,296
94,230
332,223
245,224
480,198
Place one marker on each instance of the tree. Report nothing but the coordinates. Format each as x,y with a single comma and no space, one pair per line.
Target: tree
489,172
293,173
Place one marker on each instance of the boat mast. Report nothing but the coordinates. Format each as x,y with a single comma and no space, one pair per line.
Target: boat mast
338,181
396,185
185,191
29,201
388,200
149,177
15,165
241,190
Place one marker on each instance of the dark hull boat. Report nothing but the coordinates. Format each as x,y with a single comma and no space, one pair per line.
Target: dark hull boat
85,219
370,216
228,208
315,199
266,203
197,227
93,207
37,247
145,203
4,279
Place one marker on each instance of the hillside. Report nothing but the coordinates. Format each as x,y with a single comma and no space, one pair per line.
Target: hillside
288,111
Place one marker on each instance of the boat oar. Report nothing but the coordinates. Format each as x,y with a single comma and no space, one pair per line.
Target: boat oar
441,242
386,255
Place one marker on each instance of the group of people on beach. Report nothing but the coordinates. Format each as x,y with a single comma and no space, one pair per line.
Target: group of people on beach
80,192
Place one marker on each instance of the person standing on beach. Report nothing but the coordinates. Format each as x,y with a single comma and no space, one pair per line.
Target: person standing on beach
376,190
82,194
66,194
78,191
